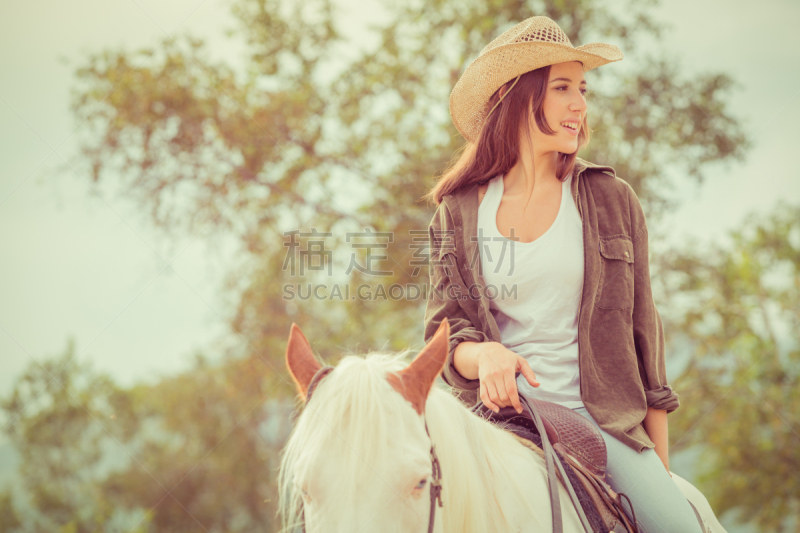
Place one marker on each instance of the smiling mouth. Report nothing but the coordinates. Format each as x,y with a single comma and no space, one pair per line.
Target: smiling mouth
573,132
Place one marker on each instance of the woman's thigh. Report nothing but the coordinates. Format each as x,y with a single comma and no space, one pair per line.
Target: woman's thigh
659,504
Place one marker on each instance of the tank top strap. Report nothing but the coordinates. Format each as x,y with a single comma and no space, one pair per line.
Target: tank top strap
493,196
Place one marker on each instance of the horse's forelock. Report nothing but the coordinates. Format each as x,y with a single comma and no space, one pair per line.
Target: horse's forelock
354,392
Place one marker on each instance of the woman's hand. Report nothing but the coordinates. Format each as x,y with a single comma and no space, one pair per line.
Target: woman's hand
497,369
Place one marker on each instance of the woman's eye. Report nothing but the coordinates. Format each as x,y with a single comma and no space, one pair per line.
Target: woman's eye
422,483
583,91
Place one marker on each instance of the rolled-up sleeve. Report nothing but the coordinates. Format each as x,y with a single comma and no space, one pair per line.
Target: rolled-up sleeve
441,305
648,330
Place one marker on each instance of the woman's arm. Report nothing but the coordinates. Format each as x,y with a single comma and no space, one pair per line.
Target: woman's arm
655,423
648,329
648,334
442,304
465,359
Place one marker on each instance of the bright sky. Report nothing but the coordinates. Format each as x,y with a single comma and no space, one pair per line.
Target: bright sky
79,261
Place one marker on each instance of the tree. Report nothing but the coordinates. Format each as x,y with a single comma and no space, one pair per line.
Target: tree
53,425
194,451
287,148
736,310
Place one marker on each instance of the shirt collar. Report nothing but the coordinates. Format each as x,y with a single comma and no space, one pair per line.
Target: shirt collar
467,196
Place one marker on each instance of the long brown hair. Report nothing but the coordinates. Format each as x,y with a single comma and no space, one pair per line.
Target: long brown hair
497,148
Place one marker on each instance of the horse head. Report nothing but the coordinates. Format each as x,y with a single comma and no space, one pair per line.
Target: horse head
360,457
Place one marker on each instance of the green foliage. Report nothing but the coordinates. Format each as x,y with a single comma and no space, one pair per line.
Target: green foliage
740,394
52,423
190,452
9,516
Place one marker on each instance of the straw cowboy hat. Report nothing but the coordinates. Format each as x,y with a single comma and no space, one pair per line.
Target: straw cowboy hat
533,43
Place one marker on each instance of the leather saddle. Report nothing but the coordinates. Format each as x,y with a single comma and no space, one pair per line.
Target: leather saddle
581,453
565,428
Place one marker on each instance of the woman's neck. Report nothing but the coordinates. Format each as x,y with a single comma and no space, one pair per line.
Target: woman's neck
527,173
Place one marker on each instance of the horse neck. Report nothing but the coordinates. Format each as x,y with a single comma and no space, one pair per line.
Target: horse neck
481,463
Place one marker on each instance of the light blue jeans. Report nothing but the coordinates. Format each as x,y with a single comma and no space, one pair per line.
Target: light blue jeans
659,504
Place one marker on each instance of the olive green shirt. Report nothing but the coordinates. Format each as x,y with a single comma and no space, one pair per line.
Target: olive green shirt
620,334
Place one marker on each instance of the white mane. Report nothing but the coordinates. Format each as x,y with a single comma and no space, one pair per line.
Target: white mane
355,404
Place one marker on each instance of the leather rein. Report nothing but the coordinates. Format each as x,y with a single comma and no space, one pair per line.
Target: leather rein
436,482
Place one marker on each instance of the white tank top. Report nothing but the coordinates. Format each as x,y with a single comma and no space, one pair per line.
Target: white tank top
540,320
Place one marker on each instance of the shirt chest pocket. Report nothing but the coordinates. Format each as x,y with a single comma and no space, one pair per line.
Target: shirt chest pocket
615,289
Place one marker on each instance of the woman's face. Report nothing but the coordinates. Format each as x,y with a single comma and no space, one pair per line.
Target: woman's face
564,102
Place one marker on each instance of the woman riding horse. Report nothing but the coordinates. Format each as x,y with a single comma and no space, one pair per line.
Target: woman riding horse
547,290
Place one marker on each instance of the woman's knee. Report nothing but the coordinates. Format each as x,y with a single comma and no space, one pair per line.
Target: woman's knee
659,504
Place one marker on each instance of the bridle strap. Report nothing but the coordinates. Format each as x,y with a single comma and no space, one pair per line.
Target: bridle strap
436,481
321,373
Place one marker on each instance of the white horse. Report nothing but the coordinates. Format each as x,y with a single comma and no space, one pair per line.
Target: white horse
359,456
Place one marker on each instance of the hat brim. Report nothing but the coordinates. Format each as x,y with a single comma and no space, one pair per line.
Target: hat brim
470,96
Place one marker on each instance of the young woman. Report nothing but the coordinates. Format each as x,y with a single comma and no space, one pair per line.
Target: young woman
539,261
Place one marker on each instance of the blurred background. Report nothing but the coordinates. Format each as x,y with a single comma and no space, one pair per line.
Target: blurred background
158,161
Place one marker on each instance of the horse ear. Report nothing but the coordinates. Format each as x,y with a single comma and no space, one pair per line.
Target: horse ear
415,381
300,360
